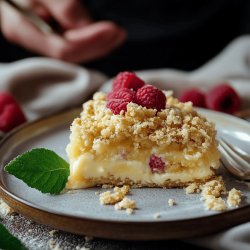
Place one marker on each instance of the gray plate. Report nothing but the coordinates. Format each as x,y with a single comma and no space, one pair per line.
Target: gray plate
53,133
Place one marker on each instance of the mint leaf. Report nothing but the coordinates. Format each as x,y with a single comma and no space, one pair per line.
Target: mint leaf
8,241
42,169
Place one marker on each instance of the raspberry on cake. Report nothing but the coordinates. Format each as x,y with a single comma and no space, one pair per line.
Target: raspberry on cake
150,97
165,145
127,80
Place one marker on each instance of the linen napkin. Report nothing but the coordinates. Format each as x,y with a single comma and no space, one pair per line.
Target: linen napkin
43,86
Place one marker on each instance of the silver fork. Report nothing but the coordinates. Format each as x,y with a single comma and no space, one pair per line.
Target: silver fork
235,160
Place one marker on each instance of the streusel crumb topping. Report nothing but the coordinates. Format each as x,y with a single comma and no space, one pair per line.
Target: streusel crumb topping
215,187
212,192
127,204
214,203
234,198
109,198
193,188
178,125
171,202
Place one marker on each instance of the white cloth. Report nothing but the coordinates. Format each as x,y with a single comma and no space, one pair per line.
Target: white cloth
43,86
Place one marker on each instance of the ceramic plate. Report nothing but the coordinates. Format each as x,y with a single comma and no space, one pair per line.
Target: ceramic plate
79,211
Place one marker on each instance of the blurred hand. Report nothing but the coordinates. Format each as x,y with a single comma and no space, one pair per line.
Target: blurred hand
82,40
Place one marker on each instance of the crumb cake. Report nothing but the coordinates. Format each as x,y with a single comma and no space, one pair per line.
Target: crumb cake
141,146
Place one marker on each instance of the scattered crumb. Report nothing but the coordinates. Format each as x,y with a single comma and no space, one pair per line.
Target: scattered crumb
118,198
5,209
214,203
88,238
97,192
127,204
171,202
123,190
214,187
234,198
109,198
51,233
192,188
211,194
129,211
157,215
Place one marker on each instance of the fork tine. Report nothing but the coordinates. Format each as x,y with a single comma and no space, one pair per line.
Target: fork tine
239,151
230,164
233,161
235,172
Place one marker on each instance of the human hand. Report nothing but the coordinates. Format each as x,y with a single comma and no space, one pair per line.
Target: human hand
82,39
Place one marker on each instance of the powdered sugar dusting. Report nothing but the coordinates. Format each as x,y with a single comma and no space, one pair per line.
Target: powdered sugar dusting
39,237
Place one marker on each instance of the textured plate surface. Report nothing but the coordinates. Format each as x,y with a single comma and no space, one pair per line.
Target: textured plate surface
53,133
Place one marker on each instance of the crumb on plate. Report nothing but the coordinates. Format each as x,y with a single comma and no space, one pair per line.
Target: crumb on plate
157,215
110,198
234,197
193,188
171,202
215,187
214,203
127,204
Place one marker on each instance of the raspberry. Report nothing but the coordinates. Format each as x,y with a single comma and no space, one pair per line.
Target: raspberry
150,97
193,95
127,80
118,100
156,164
11,114
125,94
223,98
117,105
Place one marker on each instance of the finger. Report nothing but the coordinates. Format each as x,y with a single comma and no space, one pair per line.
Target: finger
94,41
27,36
25,3
69,13
43,12
35,6
81,45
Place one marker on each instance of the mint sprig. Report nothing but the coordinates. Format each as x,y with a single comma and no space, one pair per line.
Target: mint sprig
42,169
8,241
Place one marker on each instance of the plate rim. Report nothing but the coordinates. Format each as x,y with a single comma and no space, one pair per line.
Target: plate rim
24,207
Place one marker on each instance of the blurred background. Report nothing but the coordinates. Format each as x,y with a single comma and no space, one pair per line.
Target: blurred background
181,34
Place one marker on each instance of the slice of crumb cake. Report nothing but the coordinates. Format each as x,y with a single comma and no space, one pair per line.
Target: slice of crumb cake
134,139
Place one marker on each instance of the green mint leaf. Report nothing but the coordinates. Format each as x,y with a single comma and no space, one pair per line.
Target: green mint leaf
42,169
8,241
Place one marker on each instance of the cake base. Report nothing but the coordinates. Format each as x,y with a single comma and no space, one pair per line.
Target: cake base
111,181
